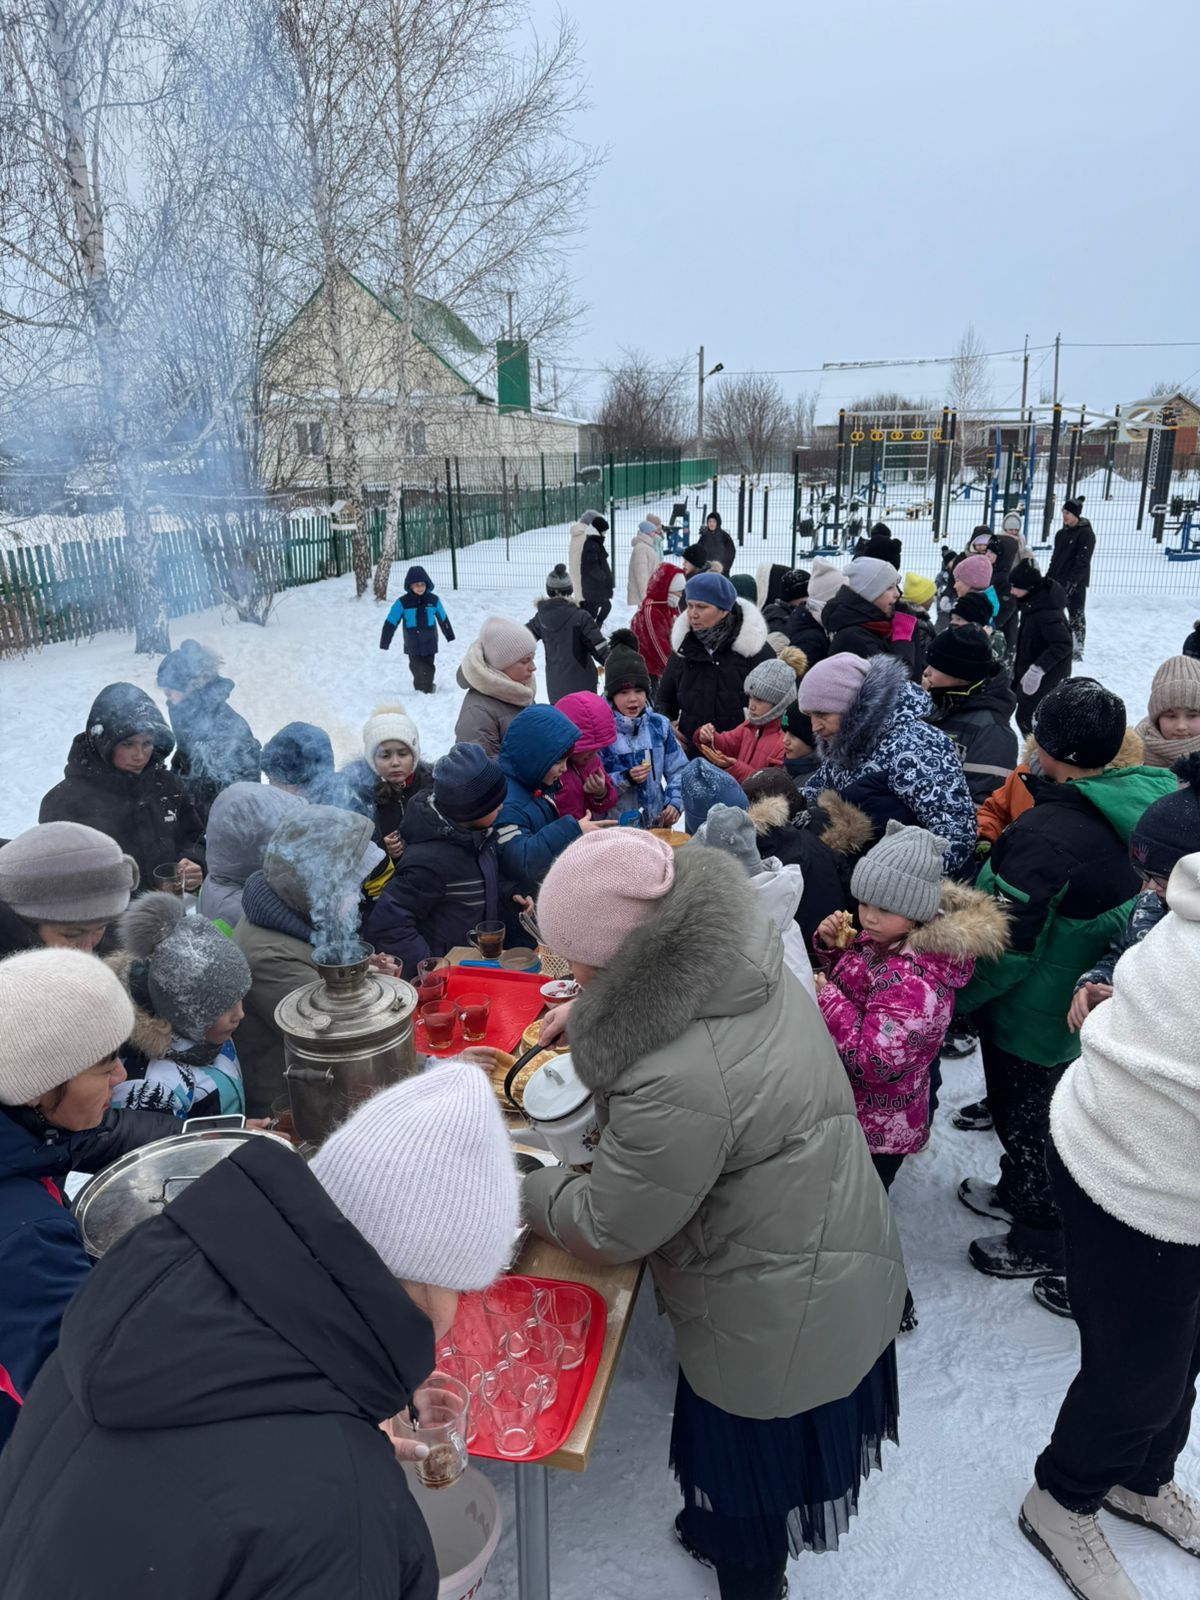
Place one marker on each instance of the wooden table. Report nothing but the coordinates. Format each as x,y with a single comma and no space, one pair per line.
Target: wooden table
619,1287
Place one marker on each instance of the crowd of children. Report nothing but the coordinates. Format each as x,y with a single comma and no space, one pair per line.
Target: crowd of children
850,745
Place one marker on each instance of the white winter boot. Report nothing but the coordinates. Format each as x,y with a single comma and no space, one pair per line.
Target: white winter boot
1170,1512
1075,1545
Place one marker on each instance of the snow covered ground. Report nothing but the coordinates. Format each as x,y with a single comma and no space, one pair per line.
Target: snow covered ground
984,1373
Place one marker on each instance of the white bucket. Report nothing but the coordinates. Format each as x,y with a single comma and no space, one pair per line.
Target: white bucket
464,1523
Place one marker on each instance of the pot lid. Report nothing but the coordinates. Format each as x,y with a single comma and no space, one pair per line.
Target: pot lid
554,1091
321,1010
141,1183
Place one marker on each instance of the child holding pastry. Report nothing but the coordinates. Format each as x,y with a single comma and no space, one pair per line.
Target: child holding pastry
758,743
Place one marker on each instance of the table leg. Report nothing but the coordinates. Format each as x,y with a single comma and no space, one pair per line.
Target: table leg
533,1532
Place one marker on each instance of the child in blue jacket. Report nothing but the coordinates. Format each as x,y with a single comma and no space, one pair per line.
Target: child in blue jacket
644,762
533,757
419,614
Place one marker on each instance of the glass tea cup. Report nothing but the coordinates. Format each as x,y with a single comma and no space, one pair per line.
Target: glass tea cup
438,1419
473,1011
510,1303
474,1335
169,878
439,1019
539,1347
567,1308
513,1395
488,939
469,1373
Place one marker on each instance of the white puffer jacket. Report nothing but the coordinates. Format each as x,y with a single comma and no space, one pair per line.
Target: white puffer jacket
1126,1116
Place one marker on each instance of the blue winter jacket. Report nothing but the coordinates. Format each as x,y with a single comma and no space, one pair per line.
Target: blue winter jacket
419,615
529,828
42,1259
650,734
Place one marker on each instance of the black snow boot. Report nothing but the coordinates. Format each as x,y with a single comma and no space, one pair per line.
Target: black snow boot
961,1040
974,1118
1019,1253
1050,1292
980,1196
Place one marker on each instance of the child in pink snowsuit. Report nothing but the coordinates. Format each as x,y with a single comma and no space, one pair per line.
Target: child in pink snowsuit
888,997
585,785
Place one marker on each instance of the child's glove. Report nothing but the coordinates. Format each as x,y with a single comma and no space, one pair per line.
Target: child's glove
1032,681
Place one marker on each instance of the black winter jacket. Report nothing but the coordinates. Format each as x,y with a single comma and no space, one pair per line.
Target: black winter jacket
853,625
375,798
148,813
1071,563
791,841
574,644
229,1362
1043,641
978,722
881,547
718,545
214,745
696,688
801,627
595,574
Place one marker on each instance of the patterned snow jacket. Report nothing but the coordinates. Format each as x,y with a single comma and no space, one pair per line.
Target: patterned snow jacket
887,1010
638,737
1148,911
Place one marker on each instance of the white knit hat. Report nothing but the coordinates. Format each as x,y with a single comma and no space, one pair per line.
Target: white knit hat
61,1012
425,1172
504,643
390,722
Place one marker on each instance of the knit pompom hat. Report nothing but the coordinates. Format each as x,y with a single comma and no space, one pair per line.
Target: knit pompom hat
467,783
184,969
390,722
833,684
66,872
869,577
600,889
61,1012
712,589
625,669
558,582
424,1170
1176,686
504,643
772,681
731,830
1080,722
902,874
975,572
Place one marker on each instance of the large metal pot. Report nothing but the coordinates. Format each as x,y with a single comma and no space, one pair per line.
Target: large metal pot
346,1036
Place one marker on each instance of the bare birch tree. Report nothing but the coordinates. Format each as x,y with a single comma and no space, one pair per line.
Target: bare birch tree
969,387
804,416
747,418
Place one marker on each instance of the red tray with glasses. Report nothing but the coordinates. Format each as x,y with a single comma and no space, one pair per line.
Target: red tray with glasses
555,1423
516,999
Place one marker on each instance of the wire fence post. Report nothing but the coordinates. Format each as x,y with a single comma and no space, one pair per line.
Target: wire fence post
403,528
714,498
1051,470
766,493
450,527
1162,478
949,495
939,473
742,509
837,481
1109,453
545,518
795,503
750,509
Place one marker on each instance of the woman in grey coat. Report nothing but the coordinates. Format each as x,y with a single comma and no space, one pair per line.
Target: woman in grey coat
731,1158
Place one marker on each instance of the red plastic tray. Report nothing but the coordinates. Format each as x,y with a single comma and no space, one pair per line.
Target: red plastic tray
556,1422
516,1001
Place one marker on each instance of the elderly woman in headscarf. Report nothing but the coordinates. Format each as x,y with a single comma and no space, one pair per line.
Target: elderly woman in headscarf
730,1157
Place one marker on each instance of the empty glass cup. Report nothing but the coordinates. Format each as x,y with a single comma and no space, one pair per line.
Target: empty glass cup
510,1303
469,1373
441,1407
513,1395
567,1308
541,1348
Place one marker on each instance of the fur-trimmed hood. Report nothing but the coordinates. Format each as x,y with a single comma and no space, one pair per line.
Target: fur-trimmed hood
841,826
151,1035
885,698
475,673
750,635
709,925
969,923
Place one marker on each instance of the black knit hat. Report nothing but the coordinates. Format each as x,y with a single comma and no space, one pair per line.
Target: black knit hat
794,585
1081,722
467,783
559,581
624,669
1170,828
962,653
974,607
696,556
800,727
1025,575
298,754
1075,507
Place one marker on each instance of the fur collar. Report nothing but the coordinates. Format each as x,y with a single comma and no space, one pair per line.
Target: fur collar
151,1035
747,641
682,964
846,830
969,924
474,673
885,698
770,811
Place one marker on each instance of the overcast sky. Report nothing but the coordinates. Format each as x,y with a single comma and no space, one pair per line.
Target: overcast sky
792,182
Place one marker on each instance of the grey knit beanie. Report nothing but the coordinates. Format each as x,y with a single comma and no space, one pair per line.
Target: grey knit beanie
184,969
774,682
424,1171
902,874
732,831
61,1012
66,872
869,577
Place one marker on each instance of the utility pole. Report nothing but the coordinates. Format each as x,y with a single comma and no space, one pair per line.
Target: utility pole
1025,378
1057,346
510,301
700,403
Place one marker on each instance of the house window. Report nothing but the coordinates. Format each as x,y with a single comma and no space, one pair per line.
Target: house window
416,439
308,439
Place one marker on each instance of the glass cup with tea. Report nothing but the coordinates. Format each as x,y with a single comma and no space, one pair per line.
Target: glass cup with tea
567,1308
439,1019
438,1418
513,1395
169,878
488,939
473,1011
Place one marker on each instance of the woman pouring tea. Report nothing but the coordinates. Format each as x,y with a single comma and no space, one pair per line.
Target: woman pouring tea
730,1157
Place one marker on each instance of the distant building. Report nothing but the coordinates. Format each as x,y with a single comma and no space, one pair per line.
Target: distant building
465,397
1138,415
